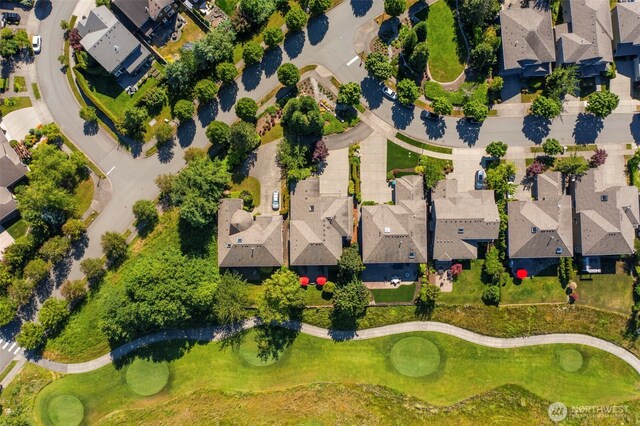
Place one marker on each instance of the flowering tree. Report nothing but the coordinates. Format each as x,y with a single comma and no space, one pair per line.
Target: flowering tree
456,269
320,152
535,169
598,158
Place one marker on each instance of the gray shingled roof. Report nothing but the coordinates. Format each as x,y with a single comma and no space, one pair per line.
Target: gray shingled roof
109,42
527,37
318,226
587,34
245,241
461,219
541,228
139,11
605,217
396,233
628,22
11,168
8,205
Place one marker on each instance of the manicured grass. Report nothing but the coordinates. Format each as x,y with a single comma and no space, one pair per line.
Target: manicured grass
316,297
273,134
612,291
146,377
570,148
477,92
83,195
333,124
17,228
250,184
36,90
426,146
7,369
444,61
605,380
190,33
65,410
571,360
403,293
228,6
415,357
400,158
19,83
80,339
22,102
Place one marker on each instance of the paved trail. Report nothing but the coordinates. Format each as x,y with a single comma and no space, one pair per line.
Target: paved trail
209,334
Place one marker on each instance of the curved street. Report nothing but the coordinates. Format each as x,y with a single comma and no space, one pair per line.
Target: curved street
210,334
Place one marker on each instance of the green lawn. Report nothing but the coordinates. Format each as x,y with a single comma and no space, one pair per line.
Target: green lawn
250,184
19,83
17,227
477,92
333,124
445,62
403,293
228,6
275,133
20,102
425,146
604,379
400,158
83,195
36,90
190,33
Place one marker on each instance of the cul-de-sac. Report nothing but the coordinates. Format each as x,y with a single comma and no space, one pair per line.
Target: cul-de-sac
319,212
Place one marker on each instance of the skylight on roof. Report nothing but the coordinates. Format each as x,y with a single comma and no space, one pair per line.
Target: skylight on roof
387,230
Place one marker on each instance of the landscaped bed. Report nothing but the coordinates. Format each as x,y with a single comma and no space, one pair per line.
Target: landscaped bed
478,92
446,54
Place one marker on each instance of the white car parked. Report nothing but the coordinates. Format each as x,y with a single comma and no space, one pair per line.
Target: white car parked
36,43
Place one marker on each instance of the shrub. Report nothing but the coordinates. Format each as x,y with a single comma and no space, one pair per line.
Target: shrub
273,37
246,109
146,214
296,18
395,7
184,110
226,72
497,149
535,169
55,249
598,158
163,133
73,291
93,268
552,147
378,66
88,114
247,199
252,53
53,313
491,295
155,99
328,287
288,74
408,91
36,270
115,247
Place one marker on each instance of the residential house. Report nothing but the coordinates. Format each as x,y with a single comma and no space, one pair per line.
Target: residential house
12,171
111,44
605,217
626,33
145,15
460,220
245,241
320,225
396,234
585,38
541,228
528,45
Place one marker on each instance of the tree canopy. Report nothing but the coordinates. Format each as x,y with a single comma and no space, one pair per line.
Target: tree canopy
243,139
301,116
378,66
475,110
552,147
442,106
288,74
497,149
349,94
431,170
408,91
601,104
246,109
350,266
543,106
296,18
282,297
395,7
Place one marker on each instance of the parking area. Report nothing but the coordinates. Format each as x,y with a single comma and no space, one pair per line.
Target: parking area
465,164
15,7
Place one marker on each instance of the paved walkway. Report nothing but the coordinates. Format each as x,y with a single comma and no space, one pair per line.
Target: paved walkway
209,334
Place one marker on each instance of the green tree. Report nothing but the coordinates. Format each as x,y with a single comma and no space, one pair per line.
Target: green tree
31,336
252,53
163,133
408,91
552,147
205,91
442,106
231,299
93,269
419,58
349,94
184,110
257,11
475,110
350,266
18,253
478,13
49,164
395,7
288,74
74,292
146,215
492,264
181,73
273,37
301,116
36,270
483,57
55,249
45,205
216,47
74,229
7,311
155,99
572,166
293,159
431,171
409,44
218,133
543,106
197,190
318,7
351,300
226,72
491,295
53,313
114,247
88,114
246,109
498,178
562,80
243,139
601,104
133,122
497,149
378,66
495,84
427,298
282,297
296,19
20,291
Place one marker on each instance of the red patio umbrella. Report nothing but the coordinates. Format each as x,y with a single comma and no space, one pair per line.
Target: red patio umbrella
304,281
321,280
521,274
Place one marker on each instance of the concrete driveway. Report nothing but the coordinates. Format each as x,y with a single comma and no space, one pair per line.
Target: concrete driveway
465,164
334,179
5,240
266,170
621,85
18,123
373,169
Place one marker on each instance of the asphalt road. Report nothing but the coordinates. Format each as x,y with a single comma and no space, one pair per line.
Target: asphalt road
328,41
